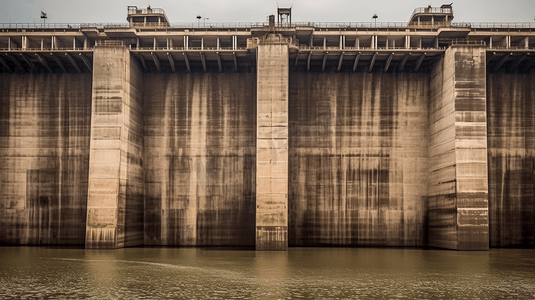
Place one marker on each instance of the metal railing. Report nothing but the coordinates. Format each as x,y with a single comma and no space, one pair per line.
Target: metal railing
60,49
432,10
437,25
38,25
250,25
148,10
370,25
133,48
149,25
320,25
61,25
201,25
364,48
466,42
510,48
489,25
301,48
109,43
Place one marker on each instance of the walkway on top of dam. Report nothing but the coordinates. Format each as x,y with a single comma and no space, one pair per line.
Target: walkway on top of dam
228,47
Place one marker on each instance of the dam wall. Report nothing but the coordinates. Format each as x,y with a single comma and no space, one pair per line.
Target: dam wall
199,159
272,143
268,137
358,159
45,122
374,159
511,158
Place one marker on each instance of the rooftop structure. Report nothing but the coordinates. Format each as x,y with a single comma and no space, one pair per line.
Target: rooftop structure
432,16
285,17
147,17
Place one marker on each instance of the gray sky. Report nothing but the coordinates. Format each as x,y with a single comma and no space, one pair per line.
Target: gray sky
114,11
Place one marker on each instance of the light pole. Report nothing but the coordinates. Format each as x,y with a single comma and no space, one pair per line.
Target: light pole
375,37
205,21
43,16
199,21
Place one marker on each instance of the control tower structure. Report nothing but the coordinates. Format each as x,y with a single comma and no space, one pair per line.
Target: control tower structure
146,17
432,16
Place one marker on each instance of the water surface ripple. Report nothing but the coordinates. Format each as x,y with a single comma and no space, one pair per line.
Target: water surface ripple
300,273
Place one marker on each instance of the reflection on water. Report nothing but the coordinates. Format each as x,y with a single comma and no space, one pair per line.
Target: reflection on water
189,273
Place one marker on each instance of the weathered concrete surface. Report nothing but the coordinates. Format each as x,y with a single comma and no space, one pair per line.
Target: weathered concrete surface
272,144
442,200
347,159
458,202
115,194
200,132
44,153
358,159
511,157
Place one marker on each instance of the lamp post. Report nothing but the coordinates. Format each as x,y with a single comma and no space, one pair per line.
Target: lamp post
43,16
375,37
199,21
205,21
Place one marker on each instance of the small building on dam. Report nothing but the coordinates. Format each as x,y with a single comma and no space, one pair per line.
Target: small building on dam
268,135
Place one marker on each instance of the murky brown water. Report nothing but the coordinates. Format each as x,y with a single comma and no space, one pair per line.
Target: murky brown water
27,272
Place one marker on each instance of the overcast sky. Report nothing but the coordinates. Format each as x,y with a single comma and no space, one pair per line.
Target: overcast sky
114,11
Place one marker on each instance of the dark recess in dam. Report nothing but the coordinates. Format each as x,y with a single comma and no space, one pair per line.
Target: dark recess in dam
419,134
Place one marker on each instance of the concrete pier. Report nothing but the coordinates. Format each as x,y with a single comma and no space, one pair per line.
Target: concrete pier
272,143
115,197
458,201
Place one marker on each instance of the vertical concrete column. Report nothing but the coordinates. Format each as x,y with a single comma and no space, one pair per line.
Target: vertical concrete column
115,195
458,202
272,144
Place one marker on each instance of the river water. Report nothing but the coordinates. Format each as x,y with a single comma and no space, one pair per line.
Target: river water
190,273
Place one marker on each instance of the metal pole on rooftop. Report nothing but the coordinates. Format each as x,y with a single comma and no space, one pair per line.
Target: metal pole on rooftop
374,38
44,17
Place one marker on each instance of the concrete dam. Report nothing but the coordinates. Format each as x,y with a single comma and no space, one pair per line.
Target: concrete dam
269,135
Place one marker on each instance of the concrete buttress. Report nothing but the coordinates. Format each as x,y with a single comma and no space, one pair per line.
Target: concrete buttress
272,144
458,202
115,193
